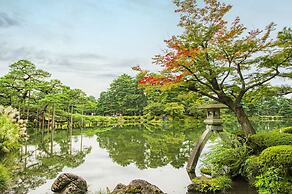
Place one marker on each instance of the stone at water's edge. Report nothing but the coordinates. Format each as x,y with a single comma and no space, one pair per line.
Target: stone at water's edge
69,183
137,186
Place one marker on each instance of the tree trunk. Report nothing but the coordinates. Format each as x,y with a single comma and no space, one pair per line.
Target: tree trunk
244,121
53,117
43,121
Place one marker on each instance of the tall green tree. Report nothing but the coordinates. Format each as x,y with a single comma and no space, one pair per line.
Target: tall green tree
223,60
39,98
124,97
21,83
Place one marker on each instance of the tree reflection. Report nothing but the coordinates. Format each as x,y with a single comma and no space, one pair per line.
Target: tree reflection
43,157
150,147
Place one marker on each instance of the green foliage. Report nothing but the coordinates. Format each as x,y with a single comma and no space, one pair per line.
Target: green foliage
214,57
252,168
277,156
154,109
227,157
174,109
260,141
206,170
9,134
175,100
272,165
261,103
285,130
205,185
4,178
272,181
122,98
29,89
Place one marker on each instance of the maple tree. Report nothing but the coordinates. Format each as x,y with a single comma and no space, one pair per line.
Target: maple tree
222,60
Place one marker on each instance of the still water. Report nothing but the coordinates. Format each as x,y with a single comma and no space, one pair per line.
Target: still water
106,157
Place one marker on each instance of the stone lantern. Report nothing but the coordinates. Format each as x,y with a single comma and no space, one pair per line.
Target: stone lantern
213,120
213,123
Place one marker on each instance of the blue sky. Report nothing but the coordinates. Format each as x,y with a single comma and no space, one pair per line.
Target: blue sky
87,43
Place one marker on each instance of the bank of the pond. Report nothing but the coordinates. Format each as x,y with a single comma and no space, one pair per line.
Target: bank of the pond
264,159
77,121
119,150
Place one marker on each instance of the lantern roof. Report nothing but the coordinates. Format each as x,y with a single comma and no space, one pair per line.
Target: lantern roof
213,106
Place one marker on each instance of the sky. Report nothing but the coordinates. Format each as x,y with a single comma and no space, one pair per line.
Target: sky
88,43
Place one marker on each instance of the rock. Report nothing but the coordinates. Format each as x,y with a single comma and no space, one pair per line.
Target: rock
137,186
69,183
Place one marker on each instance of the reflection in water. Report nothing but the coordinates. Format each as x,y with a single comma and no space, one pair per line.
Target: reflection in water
149,148
42,158
106,157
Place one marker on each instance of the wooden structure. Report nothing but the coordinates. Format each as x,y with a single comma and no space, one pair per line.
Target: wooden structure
213,123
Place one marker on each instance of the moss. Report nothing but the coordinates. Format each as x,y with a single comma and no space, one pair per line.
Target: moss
261,141
4,178
205,185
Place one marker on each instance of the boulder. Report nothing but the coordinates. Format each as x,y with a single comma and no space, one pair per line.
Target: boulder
137,186
69,183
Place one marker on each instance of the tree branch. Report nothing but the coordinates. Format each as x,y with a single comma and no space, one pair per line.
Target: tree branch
229,65
263,81
193,88
198,80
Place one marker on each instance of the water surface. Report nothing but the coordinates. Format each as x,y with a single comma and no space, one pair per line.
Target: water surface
106,157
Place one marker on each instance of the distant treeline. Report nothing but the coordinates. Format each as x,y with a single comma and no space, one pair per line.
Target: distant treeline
48,103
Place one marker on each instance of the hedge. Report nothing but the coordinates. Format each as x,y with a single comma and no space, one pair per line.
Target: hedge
259,142
276,156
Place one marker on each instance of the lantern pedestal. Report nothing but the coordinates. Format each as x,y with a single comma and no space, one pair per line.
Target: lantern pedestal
213,123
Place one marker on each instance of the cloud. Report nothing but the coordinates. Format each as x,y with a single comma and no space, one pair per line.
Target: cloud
84,64
89,71
7,21
48,58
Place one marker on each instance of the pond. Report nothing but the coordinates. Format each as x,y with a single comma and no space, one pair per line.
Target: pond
106,157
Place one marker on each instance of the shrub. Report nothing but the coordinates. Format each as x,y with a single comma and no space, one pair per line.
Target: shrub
228,157
9,134
4,178
205,185
252,168
273,181
277,156
285,130
259,142
206,170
